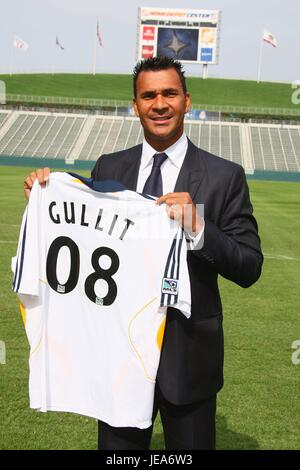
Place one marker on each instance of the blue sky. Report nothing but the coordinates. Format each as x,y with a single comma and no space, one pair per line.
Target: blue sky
74,21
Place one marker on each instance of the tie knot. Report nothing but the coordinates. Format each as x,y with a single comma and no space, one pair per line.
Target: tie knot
158,159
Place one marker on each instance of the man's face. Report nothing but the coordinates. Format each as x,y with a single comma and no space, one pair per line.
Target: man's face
161,104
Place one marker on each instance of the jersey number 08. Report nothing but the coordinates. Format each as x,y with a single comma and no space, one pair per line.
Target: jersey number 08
98,273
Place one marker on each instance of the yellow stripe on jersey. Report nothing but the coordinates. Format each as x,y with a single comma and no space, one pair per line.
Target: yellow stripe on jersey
23,313
77,181
24,318
151,379
160,334
36,348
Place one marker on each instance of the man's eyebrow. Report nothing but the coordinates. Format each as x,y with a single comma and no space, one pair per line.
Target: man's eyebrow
154,92
148,93
168,90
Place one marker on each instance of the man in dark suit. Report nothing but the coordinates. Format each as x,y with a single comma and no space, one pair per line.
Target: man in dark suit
223,241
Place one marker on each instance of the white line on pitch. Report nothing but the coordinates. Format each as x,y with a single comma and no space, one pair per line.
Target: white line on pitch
281,257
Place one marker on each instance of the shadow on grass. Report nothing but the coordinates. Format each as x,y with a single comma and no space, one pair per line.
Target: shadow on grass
227,439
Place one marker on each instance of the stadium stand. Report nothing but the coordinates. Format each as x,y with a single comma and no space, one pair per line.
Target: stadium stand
276,147
3,117
84,137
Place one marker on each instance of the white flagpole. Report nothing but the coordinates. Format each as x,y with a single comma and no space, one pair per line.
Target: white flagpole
53,58
95,55
260,58
11,60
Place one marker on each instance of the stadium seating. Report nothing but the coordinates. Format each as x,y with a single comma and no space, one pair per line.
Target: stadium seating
85,137
221,139
3,117
276,147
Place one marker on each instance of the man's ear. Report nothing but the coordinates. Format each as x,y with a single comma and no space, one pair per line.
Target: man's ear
187,102
135,107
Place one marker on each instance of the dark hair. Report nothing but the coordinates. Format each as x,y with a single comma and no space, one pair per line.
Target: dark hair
154,64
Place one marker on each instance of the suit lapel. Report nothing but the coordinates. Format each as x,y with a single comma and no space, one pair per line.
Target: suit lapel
189,178
129,169
191,172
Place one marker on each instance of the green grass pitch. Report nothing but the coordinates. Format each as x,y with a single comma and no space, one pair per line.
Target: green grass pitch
259,406
119,87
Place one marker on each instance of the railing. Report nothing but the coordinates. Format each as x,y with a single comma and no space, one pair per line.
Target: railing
66,100
94,102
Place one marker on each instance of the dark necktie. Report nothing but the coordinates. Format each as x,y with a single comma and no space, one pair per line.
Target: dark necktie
154,185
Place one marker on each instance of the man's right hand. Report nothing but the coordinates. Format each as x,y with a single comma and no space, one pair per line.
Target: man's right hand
42,174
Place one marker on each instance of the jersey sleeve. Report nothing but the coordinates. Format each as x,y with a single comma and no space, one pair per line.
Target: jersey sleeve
176,291
25,265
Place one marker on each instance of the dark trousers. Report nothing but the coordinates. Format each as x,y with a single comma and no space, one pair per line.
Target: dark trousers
186,427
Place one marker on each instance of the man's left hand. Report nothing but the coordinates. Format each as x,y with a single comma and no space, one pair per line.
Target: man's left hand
180,207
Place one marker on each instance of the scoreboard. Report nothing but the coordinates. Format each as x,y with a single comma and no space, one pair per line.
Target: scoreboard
191,36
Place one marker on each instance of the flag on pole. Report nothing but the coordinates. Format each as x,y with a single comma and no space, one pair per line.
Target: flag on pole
98,35
59,44
269,38
20,44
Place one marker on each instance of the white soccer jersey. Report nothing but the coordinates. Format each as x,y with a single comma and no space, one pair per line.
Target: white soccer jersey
94,272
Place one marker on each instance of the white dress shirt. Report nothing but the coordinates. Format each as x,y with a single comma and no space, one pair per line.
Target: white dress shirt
169,171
